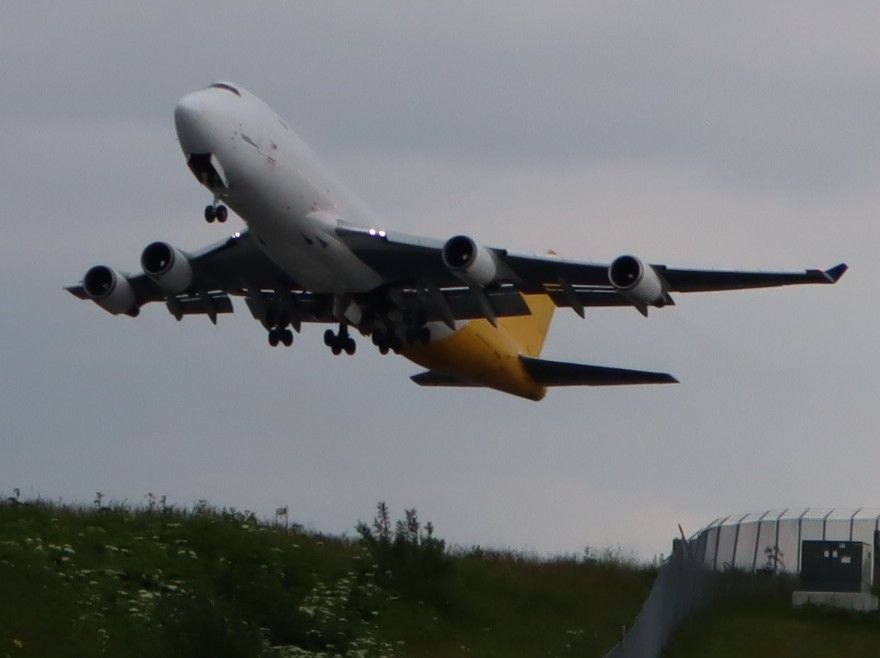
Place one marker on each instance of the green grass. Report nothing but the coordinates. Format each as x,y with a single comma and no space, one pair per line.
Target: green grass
122,582
500,606
762,624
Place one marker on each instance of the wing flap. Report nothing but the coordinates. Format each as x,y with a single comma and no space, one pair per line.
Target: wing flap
558,373
590,298
505,301
215,304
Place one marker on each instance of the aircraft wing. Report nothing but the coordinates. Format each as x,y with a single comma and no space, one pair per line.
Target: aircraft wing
415,261
234,266
680,280
235,263
420,282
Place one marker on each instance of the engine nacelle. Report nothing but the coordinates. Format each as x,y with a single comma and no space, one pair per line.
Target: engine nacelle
472,263
635,280
167,266
110,290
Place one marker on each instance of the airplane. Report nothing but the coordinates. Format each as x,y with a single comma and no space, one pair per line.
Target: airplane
471,315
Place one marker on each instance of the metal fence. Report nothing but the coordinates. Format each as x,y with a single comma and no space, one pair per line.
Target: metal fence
767,541
682,586
771,540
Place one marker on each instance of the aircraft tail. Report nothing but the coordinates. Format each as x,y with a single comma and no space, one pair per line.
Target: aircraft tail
558,373
530,331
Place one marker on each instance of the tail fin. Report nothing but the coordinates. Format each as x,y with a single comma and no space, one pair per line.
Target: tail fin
530,331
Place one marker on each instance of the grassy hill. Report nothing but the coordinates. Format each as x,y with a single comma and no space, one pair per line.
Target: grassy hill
122,582
759,621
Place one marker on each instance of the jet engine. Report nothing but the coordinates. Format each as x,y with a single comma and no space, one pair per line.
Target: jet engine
167,266
110,290
472,263
636,281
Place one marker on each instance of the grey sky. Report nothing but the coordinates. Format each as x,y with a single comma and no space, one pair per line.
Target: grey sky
692,134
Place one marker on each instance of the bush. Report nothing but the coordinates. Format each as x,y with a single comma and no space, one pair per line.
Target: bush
412,561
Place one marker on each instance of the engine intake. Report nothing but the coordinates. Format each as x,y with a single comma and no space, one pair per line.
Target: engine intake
472,263
167,266
110,290
635,280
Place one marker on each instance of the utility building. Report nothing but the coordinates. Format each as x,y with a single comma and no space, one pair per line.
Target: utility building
831,566
773,540
836,573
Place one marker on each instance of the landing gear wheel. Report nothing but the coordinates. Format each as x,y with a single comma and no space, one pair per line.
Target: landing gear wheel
287,337
383,349
210,214
221,213
338,342
273,338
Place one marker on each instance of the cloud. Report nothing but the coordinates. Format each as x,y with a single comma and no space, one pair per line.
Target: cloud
693,136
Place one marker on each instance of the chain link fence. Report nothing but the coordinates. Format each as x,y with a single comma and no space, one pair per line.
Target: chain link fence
764,543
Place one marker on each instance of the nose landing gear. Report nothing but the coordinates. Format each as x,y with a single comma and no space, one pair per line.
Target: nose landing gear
216,211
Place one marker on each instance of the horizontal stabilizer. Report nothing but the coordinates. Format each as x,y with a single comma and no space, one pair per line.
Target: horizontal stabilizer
557,373
430,378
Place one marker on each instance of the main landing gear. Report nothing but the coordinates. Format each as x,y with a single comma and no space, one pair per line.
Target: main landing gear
216,211
418,335
340,342
389,341
279,331
283,336
416,329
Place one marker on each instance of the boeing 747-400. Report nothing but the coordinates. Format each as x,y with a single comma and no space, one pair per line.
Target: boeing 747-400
470,314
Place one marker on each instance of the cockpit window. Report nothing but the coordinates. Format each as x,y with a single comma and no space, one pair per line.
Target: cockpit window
223,85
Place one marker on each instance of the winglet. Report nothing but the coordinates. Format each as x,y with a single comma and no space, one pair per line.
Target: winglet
833,274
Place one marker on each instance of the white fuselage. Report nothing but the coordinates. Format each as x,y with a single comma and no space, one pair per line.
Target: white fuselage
276,184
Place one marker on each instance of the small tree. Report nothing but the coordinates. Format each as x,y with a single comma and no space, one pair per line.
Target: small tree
412,527
382,523
775,559
415,562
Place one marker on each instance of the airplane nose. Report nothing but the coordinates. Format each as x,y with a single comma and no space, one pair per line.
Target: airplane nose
189,121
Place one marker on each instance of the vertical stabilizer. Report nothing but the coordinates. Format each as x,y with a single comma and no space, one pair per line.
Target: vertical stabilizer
529,331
